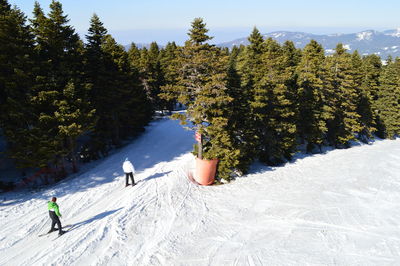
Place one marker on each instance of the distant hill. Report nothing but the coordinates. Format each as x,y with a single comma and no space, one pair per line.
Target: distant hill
366,42
138,45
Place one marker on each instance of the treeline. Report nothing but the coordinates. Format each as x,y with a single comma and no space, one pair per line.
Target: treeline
264,100
64,100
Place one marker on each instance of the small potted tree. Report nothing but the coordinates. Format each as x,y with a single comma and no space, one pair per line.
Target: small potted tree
201,86
205,168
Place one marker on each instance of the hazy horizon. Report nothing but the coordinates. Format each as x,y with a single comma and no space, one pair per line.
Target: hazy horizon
164,21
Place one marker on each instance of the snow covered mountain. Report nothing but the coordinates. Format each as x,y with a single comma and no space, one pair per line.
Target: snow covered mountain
337,208
367,42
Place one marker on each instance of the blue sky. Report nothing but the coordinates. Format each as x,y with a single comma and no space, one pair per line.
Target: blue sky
143,21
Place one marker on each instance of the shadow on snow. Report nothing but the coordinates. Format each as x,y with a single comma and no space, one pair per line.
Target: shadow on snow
162,141
94,218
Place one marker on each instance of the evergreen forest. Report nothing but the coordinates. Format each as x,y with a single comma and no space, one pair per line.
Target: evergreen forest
64,100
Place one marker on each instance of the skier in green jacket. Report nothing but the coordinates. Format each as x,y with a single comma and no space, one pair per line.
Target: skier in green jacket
54,213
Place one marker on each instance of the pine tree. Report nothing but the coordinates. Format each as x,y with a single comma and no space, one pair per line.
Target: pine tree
202,88
271,107
168,62
249,68
122,107
312,110
133,109
101,96
388,100
364,104
16,80
75,118
134,58
75,115
153,76
60,94
372,66
371,71
249,62
341,97
291,59
144,63
237,122
147,66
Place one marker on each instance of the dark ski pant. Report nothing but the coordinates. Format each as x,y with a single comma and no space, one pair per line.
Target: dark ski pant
55,220
127,175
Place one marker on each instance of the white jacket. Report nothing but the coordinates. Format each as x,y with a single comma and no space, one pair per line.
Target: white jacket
128,167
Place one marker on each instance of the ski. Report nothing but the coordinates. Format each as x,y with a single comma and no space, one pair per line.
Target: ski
130,185
60,235
64,232
56,230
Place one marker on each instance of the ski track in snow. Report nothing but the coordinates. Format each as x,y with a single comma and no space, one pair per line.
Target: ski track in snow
337,208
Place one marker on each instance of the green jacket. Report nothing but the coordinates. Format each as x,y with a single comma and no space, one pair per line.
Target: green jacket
52,206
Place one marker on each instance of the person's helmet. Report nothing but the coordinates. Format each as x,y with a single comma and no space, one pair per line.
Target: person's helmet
53,199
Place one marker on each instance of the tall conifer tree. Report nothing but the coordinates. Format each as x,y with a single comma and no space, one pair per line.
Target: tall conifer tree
152,73
341,97
388,102
371,71
16,80
271,107
98,80
134,57
237,121
202,88
60,96
168,62
312,117
122,107
364,102
249,67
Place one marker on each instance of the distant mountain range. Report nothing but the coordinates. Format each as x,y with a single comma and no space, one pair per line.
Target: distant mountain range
366,42
382,43
139,45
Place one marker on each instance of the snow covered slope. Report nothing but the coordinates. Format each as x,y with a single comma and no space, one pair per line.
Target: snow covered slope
338,208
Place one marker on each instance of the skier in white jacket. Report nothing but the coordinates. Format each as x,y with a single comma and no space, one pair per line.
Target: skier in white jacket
128,170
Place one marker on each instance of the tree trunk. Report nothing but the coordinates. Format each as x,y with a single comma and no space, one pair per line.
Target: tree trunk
200,148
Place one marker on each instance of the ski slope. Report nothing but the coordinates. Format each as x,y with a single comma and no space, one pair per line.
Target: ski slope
337,208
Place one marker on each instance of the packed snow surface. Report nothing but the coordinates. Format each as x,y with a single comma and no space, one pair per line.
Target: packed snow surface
341,207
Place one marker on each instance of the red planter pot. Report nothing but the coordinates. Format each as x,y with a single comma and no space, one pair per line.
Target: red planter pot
205,171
